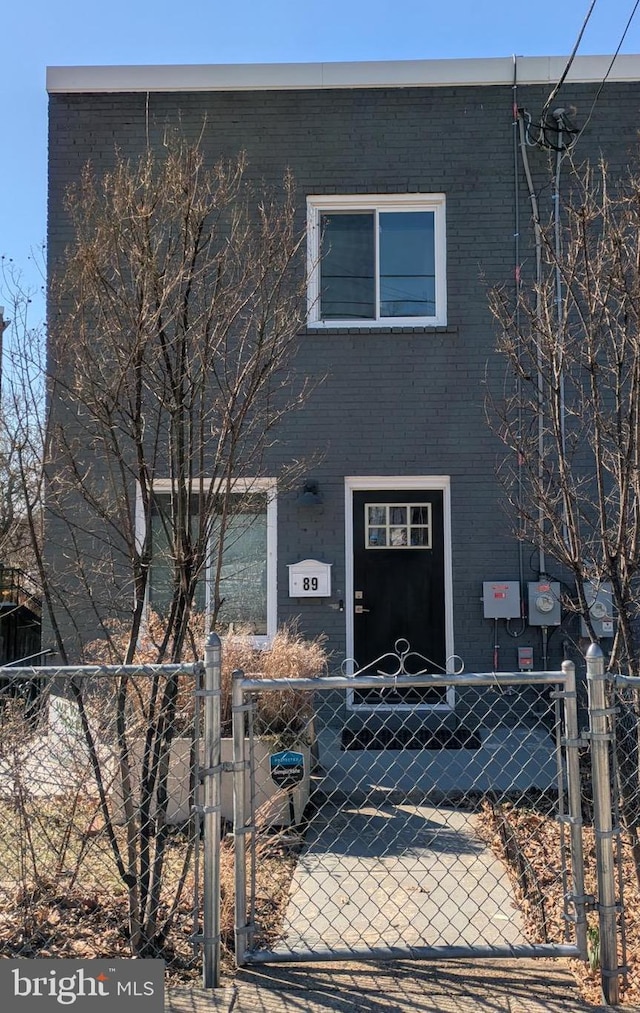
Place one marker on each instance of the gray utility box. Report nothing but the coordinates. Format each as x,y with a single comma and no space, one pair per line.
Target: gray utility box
600,605
501,599
544,603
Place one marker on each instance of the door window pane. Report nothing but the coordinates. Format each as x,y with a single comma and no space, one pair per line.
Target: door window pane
398,536
377,537
420,538
421,514
377,515
398,526
347,266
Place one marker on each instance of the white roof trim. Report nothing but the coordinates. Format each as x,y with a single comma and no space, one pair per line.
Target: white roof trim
296,76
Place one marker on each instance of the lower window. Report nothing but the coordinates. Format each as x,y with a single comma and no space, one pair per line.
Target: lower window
243,571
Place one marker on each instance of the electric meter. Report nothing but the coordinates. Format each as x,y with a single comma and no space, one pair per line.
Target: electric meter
600,604
544,603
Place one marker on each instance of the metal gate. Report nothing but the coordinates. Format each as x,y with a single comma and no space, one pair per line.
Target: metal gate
372,835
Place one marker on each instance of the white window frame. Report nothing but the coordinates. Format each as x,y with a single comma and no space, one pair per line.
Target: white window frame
319,204
163,486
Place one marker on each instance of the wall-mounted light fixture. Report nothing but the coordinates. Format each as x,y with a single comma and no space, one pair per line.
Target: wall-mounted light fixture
310,495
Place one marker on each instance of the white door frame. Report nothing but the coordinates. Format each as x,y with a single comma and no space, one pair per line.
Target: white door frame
441,483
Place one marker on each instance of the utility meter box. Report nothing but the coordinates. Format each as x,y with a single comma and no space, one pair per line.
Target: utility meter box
600,605
501,599
544,603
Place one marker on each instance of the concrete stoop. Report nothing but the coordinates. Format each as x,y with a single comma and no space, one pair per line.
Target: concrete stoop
509,759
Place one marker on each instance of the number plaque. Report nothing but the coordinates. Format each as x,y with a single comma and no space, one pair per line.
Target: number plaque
309,579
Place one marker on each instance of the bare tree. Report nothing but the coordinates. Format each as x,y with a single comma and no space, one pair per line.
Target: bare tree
173,331
571,411
172,344
21,411
571,418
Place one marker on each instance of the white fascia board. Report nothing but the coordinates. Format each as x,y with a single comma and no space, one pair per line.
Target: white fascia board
584,69
192,77
301,76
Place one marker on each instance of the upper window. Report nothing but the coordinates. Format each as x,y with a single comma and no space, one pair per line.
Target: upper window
376,259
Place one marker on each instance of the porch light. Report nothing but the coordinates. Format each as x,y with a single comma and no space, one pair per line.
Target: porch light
310,495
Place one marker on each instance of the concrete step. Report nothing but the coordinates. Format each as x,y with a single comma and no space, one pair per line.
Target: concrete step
508,760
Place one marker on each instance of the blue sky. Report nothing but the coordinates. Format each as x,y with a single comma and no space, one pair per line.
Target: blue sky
38,33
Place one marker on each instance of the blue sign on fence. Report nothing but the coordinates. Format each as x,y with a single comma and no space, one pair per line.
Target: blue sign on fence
287,768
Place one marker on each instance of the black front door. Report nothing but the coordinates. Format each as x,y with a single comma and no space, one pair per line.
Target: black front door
399,590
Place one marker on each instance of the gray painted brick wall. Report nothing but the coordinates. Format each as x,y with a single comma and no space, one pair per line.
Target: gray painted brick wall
407,402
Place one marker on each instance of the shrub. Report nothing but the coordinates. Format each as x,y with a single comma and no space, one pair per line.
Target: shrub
288,656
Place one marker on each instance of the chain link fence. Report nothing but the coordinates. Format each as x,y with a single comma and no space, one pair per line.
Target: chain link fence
379,822
350,817
620,734
98,836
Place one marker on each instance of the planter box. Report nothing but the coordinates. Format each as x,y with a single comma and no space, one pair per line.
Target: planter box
271,803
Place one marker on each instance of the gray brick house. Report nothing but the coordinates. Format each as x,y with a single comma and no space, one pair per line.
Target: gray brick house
409,169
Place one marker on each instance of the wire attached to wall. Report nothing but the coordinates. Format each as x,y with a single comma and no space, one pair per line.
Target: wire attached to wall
517,279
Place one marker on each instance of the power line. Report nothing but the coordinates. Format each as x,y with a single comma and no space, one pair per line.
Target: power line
572,57
609,68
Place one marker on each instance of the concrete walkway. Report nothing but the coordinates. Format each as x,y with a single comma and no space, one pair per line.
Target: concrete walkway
398,875
383,874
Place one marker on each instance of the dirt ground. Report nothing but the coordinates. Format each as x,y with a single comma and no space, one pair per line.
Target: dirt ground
540,894
51,920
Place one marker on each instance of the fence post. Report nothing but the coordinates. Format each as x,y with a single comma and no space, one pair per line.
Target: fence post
600,736
239,816
575,803
211,813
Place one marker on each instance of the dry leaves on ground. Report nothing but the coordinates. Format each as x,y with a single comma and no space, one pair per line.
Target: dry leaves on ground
532,847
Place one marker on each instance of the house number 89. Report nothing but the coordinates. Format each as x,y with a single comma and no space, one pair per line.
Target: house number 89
310,584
